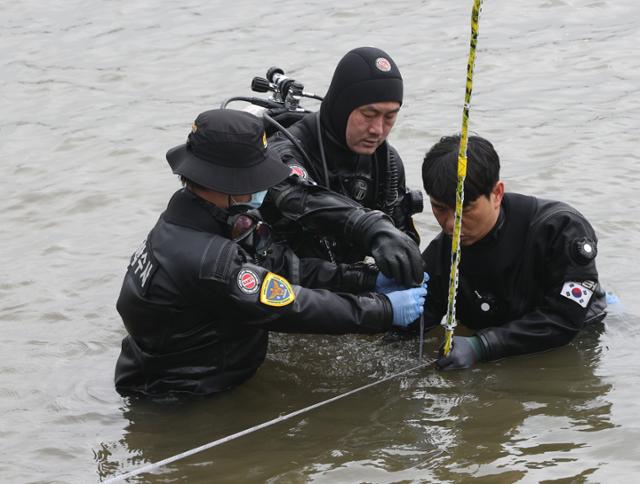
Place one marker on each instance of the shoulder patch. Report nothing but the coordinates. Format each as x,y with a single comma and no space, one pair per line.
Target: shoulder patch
248,281
584,250
577,292
276,291
298,170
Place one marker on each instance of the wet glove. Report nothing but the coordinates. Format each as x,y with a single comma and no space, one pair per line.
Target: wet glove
398,257
407,305
395,253
465,352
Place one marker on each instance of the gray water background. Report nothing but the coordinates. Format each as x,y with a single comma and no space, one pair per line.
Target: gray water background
92,94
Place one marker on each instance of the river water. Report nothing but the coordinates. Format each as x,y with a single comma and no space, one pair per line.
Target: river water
92,94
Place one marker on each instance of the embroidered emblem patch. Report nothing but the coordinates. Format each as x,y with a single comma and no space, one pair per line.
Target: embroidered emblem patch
276,291
383,64
298,171
248,281
359,190
576,292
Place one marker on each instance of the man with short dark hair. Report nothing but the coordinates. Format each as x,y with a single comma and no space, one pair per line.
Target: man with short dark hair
344,148
527,274
208,282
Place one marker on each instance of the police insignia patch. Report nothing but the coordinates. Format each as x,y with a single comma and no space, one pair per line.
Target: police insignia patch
577,293
276,291
298,171
248,281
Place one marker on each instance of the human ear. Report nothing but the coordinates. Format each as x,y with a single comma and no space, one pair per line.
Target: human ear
498,193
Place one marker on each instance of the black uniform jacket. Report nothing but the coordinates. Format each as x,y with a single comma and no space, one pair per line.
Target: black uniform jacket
198,310
372,181
531,284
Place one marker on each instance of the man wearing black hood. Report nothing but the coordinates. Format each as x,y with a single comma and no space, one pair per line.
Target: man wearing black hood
345,150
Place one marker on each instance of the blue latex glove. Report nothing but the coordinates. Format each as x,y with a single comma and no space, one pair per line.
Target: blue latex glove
465,352
385,285
408,304
611,297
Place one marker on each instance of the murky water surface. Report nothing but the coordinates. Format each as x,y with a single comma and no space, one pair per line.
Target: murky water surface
92,94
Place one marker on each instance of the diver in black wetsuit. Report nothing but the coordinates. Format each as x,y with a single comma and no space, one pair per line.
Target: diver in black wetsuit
344,148
528,280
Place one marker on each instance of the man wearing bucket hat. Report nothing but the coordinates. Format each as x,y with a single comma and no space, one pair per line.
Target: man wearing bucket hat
344,148
207,284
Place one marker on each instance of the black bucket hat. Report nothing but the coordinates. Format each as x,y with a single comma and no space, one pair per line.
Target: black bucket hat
227,151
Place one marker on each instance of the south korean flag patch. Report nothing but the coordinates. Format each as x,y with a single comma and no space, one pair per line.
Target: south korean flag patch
577,292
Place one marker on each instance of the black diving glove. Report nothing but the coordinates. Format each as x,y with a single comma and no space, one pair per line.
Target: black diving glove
398,257
465,352
396,254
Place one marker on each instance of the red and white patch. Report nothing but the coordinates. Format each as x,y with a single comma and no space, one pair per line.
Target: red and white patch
383,64
577,293
248,281
298,171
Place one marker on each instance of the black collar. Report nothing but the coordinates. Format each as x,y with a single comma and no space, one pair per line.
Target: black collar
494,233
189,210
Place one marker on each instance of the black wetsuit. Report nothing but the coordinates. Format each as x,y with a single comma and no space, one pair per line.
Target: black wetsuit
529,285
198,307
375,182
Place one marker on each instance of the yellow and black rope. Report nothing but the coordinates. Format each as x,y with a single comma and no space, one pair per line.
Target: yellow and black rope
449,321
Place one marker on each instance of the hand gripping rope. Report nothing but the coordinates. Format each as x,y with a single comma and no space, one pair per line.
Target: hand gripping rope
449,321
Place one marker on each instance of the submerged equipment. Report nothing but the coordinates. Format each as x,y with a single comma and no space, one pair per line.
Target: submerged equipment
449,320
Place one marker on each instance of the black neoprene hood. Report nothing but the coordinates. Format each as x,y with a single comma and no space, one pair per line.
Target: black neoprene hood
365,75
